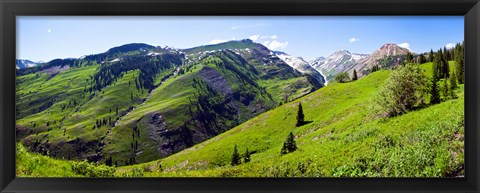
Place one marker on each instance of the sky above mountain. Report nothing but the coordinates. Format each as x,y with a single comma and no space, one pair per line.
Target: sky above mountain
49,37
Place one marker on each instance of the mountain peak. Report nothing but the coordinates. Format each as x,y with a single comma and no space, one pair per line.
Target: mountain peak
390,49
233,44
342,51
130,47
389,45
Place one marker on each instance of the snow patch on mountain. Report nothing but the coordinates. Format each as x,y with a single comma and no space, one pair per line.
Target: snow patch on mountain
22,64
301,65
337,62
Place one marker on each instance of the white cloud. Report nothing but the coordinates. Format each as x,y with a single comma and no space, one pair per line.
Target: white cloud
217,41
259,37
275,45
450,45
49,30
405,45
353,39
254,37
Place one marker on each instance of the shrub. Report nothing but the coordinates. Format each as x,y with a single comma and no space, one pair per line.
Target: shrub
342,77
90,170
402,91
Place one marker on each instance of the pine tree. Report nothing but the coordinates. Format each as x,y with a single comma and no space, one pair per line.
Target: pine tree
445,92
430,56
437,65
451,89
374,69
409,58
445,54
453,81
246,156
289,145
459,60
300,115
235,157
434,92
445,69
421,59
354,77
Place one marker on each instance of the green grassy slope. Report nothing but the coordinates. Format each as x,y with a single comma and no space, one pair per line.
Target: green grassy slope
68,124
101,106
342,140
218,90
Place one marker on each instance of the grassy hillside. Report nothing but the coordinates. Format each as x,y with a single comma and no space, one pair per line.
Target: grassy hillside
136,103
66,127
343,139
216,91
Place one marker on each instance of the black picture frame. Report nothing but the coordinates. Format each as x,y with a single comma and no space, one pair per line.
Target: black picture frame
470,9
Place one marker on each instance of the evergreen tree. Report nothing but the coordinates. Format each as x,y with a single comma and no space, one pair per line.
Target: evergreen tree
300,115
451,89
453,81
434,92
445,92
445,54
235,157
246,156
460,66
437,65
445,69
374,69
430,56
354,77
409,58
289,145
421,59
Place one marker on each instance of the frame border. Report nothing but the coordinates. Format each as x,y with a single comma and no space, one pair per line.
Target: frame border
9,9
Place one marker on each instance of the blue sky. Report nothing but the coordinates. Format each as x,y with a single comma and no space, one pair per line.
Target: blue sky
50,37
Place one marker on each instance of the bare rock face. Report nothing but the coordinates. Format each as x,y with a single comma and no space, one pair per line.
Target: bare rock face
337,62
385,51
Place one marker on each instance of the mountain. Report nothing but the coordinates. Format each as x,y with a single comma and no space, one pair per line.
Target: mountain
22,64
339,61
386,56
274,71
340,140
242,44
301,65
136,103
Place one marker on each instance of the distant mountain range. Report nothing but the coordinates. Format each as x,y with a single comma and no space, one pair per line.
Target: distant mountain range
301,65
323,69
339,61
22,64
386,56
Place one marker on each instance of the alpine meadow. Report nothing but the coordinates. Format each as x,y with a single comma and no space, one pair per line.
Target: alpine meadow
246,107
